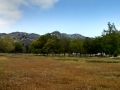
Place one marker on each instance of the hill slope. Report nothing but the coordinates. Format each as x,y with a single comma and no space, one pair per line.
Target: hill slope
71,36
27,38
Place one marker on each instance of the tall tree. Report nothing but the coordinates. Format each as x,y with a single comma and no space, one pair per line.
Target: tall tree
45,44
18,47
88,45
65,42
49,46
6,44
111,40
76,45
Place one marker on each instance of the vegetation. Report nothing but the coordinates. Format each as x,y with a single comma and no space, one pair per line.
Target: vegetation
108,43
6,44
18,47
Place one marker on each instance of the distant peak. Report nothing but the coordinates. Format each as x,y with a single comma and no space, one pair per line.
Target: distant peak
57,32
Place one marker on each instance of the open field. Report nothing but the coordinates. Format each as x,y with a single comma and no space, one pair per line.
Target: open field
31,72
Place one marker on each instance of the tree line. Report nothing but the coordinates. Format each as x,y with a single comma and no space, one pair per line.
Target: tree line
108,43
8,45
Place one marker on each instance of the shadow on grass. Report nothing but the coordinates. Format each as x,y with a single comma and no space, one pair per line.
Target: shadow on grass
67,59
1,54
101,61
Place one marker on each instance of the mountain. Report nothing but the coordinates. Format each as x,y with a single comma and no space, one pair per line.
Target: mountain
23,37
27,38
71,36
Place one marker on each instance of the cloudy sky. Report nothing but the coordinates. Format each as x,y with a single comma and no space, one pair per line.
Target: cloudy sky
86,17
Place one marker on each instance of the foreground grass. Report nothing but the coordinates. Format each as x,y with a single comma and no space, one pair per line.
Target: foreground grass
30,72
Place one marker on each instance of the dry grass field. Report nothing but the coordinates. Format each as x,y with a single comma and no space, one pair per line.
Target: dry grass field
32,72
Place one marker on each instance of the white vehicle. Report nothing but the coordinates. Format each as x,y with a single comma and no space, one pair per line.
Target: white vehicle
99,54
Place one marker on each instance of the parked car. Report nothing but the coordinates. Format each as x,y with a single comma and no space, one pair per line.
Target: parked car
99,54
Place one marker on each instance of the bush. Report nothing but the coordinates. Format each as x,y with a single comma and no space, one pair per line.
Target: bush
115,54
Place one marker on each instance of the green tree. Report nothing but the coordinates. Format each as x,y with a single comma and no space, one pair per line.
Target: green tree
58,46
1,45
46,44
111,40
65,42
76,46
18,47
88,45
97,45
6,44
35,47
49,46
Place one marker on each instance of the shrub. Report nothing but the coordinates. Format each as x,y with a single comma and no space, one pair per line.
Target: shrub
115,54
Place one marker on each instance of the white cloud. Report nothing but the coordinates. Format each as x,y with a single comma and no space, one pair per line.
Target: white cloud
10,9
9,12
45,4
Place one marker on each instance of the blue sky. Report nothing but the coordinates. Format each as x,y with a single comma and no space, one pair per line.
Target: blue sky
85,17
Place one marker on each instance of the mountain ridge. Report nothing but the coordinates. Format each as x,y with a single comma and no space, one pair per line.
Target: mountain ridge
71,36
27,38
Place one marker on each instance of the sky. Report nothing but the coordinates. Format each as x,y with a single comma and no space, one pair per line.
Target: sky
86,17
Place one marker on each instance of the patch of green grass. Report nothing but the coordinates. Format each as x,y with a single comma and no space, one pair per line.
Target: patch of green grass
1,71
102,61
67,59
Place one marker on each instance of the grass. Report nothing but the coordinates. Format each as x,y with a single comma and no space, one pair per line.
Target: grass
103,61
31,72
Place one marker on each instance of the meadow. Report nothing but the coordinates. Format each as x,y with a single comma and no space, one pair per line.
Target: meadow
35,72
